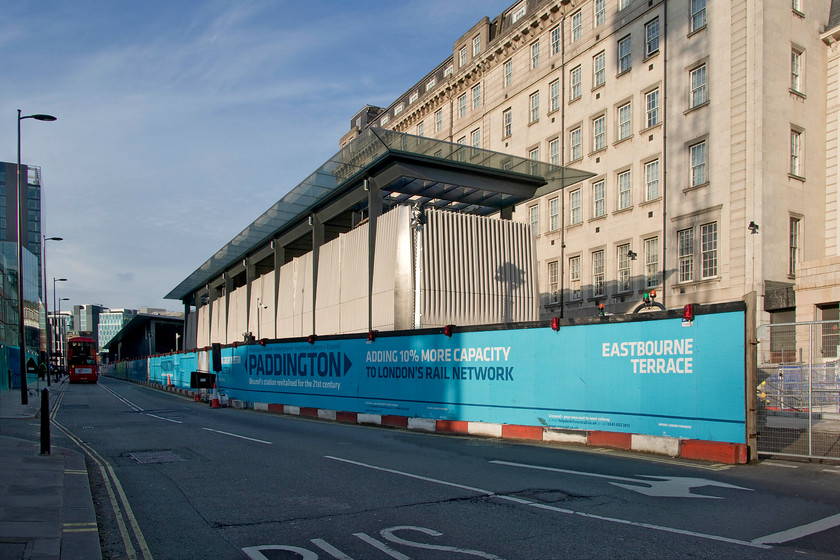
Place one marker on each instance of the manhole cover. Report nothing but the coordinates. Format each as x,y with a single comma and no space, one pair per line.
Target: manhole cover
152,457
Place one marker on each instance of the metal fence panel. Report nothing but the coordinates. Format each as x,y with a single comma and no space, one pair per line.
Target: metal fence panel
798,392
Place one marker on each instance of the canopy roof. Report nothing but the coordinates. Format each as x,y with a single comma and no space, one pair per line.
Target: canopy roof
407,169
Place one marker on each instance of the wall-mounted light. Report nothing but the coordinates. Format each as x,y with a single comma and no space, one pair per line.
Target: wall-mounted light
753,227
632,254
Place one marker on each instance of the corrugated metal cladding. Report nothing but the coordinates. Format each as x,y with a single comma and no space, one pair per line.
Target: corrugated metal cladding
477,271
473,270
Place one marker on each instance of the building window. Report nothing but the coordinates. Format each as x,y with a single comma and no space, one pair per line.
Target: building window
625,198
420,128
554,96
448,71
652,108
793,253
554,214
599,133
698,15
685,255
398,109
507,123
623,4
651,262
534,104
554,151
796,153
475,138
625,125
796,70
574,80
574,276
476,44
624,52
697,79
575,145
598,284
508,73
698,164
385,120
534,218
623,260
599,199
600,12
462,57
413,97
652,180
575,214
438,120
476,96
535,54
555,41
708,249
553,281
518,14
534,156
432,83
462,105
652,37
577,26
599,69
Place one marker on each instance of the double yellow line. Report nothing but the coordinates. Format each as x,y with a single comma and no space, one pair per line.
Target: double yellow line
119,502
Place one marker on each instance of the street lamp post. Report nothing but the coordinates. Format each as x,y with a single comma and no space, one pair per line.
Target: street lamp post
61,330
50,338
24,398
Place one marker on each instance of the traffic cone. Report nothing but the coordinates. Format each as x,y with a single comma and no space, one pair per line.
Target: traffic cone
214,400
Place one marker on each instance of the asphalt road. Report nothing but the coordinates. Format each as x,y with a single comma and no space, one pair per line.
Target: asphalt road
176,479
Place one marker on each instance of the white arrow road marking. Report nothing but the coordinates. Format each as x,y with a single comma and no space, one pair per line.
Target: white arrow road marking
660,487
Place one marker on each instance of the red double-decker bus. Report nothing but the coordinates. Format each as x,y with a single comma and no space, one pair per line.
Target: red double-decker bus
81,359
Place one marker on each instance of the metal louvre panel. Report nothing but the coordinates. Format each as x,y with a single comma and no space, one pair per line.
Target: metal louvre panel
189,333
328,292
286,300
384,269
259,315
476,270
202,327
303,296
217,327
237,321
354,280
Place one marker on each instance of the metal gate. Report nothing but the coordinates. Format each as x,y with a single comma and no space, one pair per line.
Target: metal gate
798,392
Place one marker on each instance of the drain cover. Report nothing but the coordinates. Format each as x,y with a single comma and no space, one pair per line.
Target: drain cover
152,457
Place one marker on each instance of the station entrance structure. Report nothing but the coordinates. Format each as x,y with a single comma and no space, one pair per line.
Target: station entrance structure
342,252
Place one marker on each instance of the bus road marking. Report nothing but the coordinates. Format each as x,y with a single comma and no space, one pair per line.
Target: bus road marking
238,436
488,493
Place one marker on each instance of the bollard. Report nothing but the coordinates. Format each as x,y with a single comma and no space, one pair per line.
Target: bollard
45,421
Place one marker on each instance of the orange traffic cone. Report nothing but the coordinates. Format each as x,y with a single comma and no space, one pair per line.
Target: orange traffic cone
214,400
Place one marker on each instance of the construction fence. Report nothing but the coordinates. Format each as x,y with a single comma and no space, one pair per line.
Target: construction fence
798,392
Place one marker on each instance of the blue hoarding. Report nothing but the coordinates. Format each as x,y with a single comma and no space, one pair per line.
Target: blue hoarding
661,377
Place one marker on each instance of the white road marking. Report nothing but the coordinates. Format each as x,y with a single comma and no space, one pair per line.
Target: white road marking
382,546
389,535
832,471
706,536
238,436
664,487
801,531
162,418
780,465
330,549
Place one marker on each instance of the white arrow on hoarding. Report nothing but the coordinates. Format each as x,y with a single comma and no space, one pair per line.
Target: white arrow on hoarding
659,486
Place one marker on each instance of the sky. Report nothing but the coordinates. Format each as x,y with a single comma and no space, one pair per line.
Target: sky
181,121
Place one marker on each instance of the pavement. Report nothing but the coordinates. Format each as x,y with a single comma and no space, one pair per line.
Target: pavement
46,508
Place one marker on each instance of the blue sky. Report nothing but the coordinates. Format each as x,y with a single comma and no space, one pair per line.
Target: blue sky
180,122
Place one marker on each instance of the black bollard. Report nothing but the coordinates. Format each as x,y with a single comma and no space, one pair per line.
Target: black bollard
45,421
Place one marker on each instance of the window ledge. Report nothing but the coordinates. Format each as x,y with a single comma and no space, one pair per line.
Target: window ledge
577,159
597,218
697,107
575,100
796,177
696,31
599,86
623,210
651,128
623,72
704,281
650,56
622,140
577,225
597,152
536,121
651,201
696,187
796,93
797,13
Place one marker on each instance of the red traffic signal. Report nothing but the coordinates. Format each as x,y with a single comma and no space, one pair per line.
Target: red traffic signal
555,323
447,330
